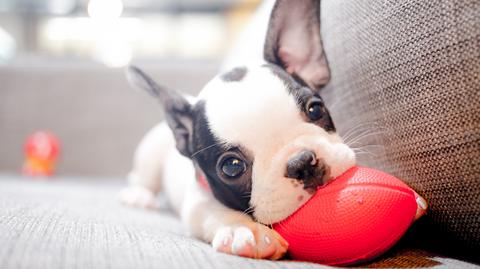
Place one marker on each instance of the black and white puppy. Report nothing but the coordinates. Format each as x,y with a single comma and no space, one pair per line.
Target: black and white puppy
259,135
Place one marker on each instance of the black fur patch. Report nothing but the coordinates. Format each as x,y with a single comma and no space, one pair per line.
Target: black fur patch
236,74
207,151
302,94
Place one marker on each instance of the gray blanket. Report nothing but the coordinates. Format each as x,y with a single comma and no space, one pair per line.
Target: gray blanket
77,223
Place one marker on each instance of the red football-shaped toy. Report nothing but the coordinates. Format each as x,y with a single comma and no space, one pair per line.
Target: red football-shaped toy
355,218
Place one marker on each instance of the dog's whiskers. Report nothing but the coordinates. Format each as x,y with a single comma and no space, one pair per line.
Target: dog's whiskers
369,124
247,195
249,210
361,136
366,149
269,220
359,151
206,148
360,128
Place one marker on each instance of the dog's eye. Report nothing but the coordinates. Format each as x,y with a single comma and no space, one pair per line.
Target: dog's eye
314,110
233,167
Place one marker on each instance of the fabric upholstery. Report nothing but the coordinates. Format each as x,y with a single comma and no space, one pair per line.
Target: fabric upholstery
68,223
405,91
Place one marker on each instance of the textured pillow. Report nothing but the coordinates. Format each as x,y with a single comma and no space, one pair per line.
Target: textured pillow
405,91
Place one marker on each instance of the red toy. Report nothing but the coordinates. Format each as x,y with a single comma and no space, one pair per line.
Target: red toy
355,218
41,152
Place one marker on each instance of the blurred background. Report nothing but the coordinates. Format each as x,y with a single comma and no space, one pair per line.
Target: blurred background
61,70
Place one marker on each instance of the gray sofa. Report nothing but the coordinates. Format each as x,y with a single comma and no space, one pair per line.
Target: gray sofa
405,83
407,74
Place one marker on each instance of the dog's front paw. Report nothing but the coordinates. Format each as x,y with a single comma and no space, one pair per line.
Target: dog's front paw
256,241
138,196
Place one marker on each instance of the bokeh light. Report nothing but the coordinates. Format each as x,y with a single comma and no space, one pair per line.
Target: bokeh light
105,9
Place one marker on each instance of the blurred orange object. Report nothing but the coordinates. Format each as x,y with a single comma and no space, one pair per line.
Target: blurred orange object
41,152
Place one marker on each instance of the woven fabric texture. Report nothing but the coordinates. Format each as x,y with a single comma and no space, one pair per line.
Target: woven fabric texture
405,92
70,224
81,225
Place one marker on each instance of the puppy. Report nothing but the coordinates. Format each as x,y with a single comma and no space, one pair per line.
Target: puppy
252,147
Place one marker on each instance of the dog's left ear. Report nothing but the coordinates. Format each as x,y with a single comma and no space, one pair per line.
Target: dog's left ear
178,111
293,41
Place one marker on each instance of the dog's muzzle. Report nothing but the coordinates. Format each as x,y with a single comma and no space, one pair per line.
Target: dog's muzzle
305,167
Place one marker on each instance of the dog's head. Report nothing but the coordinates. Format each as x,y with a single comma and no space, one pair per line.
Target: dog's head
261,135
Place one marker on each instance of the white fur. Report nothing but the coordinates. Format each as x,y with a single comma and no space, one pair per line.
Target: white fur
222,238
138,196
259,114
242,237
157,164
150,157
267,123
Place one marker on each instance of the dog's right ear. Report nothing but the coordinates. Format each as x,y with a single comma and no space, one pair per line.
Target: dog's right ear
178,111
294,42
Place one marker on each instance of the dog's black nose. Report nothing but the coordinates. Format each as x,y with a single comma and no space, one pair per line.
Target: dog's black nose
305,167
302,165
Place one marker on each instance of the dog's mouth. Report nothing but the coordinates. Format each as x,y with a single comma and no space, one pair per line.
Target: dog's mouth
272,216
274,213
